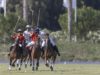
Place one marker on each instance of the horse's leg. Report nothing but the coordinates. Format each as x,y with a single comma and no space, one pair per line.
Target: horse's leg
51,66
33,64
37,64
19,62
10,63
26,61
30,58
52,62
13,62
30,61
47,62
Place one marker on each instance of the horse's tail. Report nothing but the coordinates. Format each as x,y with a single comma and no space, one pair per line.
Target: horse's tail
10,50
8,54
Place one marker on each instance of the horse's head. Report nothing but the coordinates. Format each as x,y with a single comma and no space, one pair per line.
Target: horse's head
48,44
48,51
38,41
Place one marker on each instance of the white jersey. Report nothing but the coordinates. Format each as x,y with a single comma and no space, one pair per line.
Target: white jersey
27,36
42,35
53,42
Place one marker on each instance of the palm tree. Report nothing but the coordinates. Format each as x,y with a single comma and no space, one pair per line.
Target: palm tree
69,20
25,10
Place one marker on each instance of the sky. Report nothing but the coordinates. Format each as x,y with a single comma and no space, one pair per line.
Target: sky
65,3
1,3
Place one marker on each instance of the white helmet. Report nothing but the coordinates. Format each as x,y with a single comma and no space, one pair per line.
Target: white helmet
28,26
19,30
42,33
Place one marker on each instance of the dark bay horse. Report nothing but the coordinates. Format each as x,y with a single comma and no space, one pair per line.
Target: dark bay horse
49,54
35,54
17,54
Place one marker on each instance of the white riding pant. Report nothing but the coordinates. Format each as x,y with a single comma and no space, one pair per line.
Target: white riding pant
30,43
43,43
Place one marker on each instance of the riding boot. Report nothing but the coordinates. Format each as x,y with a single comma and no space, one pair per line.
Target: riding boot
56,49
22,52
42,49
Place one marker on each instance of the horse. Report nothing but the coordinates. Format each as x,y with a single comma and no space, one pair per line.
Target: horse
36,54
49,54
17,54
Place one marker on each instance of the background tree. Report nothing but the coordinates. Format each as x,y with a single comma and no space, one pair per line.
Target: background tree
25,7
69,20
93,3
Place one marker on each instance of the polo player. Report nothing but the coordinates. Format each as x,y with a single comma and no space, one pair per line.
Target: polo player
52,43
42,36
34,38
19,39
27,33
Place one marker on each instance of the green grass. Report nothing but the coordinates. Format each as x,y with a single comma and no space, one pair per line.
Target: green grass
68,69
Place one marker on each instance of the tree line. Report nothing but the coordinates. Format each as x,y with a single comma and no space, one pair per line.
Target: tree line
53,16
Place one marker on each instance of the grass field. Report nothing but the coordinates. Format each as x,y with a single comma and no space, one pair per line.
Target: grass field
60,69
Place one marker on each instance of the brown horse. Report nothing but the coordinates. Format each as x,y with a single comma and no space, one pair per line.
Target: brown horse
49,54
35,54
17,54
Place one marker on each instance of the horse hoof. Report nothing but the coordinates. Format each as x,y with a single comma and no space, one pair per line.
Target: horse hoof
19,69
36,68
32,68
47,65
8,54
9,68
25,65
51,68
25,70
30,65
17,65
13,65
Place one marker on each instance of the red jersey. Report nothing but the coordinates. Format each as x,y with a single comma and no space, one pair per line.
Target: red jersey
20,37
34,36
